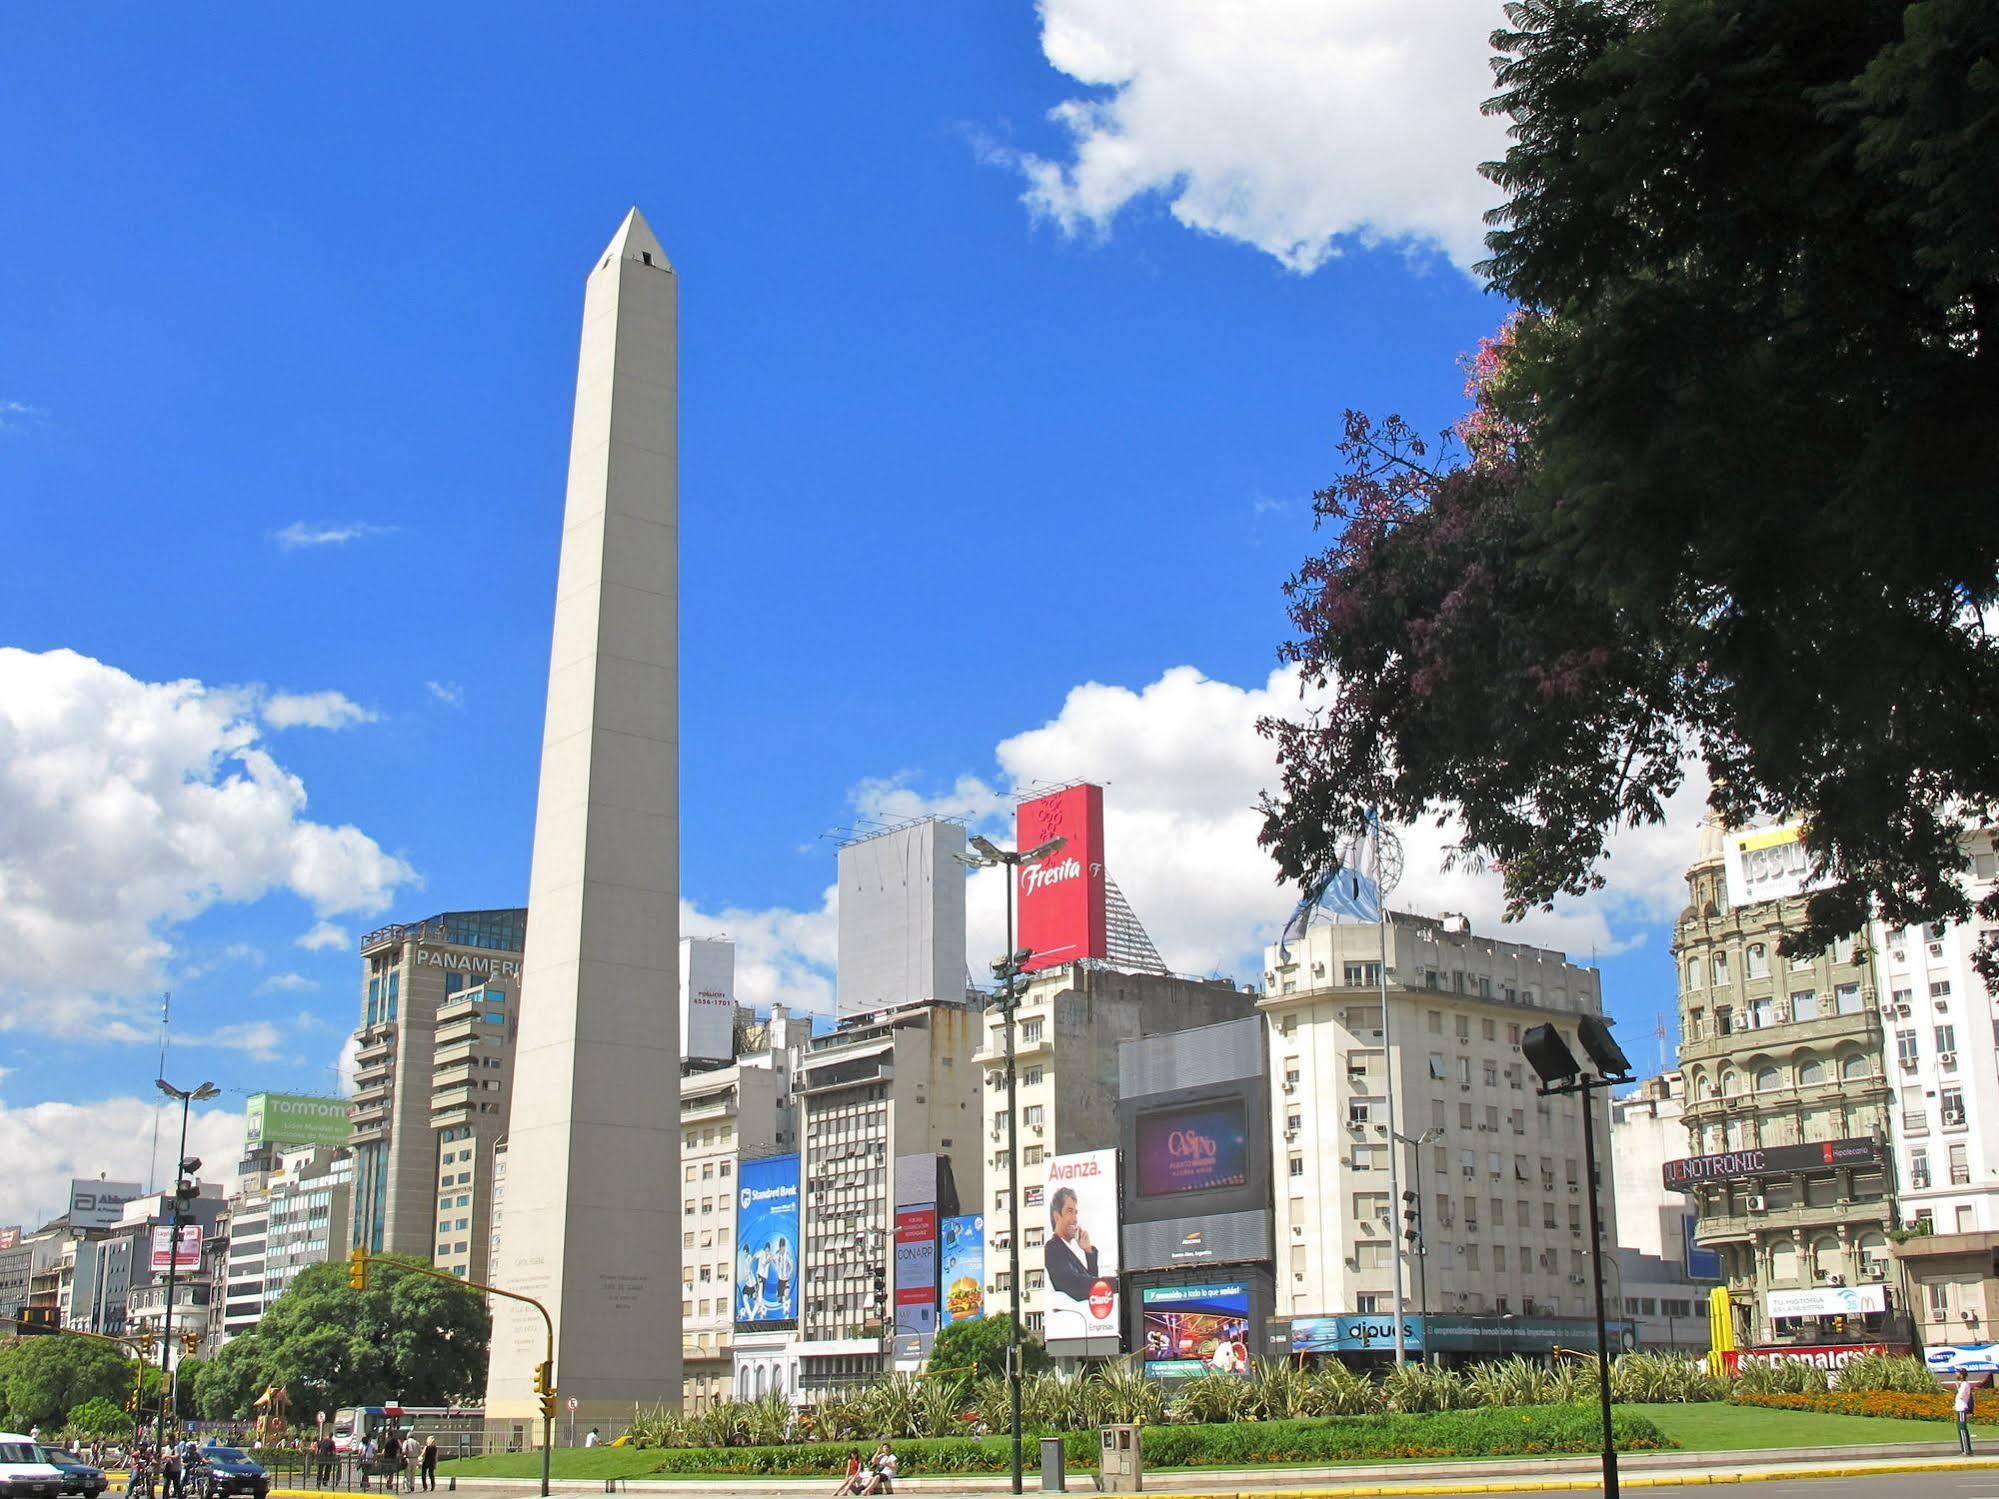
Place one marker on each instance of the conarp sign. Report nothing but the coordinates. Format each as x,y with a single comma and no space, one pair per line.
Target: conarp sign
1062,904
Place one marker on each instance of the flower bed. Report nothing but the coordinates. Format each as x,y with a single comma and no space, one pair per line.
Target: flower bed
1937,1407
1471,1433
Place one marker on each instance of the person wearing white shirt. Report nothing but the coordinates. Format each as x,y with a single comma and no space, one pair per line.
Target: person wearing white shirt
1966,1389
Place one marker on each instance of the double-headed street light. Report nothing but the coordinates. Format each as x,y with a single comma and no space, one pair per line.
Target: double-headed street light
1560,1072
1414,1234
1008,970
183,1194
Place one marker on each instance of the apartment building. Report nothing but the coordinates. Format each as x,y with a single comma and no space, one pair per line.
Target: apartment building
1789,1107
727,1115
1071,1022
881,1087
1661,1280
1492,1171
432,1083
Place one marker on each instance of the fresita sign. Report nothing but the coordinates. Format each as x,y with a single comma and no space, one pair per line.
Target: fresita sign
1062,897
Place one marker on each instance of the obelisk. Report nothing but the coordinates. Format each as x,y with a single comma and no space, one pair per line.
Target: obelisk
590,1220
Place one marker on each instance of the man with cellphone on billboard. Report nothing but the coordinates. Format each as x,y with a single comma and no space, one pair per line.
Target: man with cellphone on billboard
1071,1257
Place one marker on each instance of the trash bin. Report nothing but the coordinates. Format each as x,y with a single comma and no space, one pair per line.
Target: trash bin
1054,1467
1120,1470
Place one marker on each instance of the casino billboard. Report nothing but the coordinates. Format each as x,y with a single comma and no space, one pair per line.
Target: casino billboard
1063,915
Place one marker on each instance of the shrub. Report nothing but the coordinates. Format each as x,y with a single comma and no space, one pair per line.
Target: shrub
1881,1371
1662,1379
1351,1438
1764,1377
1893,1404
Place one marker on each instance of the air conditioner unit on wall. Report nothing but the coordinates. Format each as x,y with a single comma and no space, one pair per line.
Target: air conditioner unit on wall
1758,1202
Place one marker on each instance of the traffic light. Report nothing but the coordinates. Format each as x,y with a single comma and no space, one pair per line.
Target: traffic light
145,1345
132,1403
357,1269
544,1383
189,1342
881,1294
1412,1220
548,1407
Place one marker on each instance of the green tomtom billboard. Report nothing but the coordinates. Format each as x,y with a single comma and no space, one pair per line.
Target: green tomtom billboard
295,1119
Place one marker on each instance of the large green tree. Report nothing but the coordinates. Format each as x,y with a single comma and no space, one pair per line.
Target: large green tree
978,1345
409,1337
1728,488
229,1384
43,1378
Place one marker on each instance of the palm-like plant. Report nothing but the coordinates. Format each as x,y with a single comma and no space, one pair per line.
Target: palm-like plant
1130,1396
1212,1398
1336,1390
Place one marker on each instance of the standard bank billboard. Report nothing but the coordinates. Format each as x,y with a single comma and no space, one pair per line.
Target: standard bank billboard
767,1243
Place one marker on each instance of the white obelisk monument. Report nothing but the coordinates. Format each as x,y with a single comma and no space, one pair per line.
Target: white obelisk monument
590,1220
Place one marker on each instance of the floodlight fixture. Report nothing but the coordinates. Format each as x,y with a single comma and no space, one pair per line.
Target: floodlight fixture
1602,1047
1053,845
987,847
1549,1055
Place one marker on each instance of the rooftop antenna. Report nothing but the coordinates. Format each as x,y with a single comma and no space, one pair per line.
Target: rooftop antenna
166,1018
1660,1031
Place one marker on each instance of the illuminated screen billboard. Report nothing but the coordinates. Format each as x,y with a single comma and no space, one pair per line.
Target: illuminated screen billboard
1195,1148
1188,1331
962,1268
767,1243
1062,909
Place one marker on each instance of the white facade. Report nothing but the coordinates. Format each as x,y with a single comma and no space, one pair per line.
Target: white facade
902,918
593,1141
1651,1278
1941,1029
1505,1211
707,999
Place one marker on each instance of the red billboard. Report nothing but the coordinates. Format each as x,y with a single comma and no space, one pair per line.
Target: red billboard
1062,896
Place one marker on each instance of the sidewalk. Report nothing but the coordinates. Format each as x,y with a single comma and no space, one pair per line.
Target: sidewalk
1642,1470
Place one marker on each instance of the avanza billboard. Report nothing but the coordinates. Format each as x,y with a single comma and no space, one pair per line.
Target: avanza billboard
1080,1253
1062,908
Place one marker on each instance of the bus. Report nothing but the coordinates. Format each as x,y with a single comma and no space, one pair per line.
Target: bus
458,1428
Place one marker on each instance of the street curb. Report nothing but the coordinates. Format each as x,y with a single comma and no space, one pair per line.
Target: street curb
1594,1484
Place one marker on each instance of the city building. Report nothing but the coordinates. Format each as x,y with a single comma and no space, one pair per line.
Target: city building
297,1217
878,1088
1662,1281
431,1081
727,1115
1789,1107
1491,1172
902,917
1196,1247
197,1264
1072,1020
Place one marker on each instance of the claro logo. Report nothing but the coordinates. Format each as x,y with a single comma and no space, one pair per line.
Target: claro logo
1040,876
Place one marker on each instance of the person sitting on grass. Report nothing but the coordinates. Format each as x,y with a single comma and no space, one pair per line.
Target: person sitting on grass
881,1481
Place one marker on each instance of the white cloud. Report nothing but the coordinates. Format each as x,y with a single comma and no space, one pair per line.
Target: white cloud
48,1144
1183,768
305,534
343,1065
448,693
1289,125
323,936
286,983
261,1040
315,710
130,808
18,416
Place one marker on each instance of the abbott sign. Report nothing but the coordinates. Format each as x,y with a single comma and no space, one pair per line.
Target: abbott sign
1062,907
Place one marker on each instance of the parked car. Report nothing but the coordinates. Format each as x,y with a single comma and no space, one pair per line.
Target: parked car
227,1470
23,1473
78,1476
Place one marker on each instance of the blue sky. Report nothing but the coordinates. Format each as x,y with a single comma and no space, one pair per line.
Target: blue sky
1013,345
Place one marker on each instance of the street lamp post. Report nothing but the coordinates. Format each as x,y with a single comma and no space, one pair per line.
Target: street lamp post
1008,970
184,1191
1416,1230
1560,1073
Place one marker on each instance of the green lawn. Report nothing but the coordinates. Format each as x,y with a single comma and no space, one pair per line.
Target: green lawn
1697,1428
1744,1428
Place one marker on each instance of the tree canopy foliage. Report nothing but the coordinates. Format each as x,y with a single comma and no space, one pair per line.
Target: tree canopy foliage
1727,486
412,1338
979,1344
43,1378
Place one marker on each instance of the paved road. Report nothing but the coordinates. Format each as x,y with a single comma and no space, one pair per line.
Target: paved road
1905,1486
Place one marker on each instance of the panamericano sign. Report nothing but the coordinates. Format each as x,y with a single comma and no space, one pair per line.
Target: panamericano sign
468,962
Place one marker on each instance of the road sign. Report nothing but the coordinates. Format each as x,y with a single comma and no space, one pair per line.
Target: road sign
572,1402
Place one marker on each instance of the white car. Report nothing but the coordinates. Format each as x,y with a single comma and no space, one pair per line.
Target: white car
23,1474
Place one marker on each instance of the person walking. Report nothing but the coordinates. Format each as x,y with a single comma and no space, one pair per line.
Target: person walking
171,1486
1966,1390
369,1452
327,1457
429,1464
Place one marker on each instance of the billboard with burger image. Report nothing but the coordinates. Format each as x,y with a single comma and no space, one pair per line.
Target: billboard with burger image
961,1268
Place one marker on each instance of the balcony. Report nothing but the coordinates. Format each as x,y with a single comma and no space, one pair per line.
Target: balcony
719,1104
1712,1227
1821,1034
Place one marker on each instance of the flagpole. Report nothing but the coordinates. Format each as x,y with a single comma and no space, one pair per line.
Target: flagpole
1389,1067
166,1019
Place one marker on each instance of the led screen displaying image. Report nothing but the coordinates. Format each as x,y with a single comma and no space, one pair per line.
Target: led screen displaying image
1196,1148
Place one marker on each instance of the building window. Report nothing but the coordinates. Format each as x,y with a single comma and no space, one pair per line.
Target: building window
1951,1102
1946,1039
1363,975
1846,999
1297,1166
1804,1004
1719,968
1905,1048
1960,1167
1757,961
1030,1030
